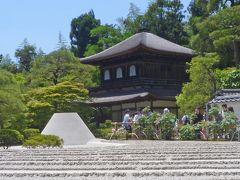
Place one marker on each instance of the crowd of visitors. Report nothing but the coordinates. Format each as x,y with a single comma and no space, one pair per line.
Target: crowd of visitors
133,117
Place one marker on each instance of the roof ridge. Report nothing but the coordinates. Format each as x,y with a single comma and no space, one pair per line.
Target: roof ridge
143,38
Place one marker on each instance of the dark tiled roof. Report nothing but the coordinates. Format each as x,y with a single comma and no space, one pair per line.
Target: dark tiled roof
226,95
144,39
116,96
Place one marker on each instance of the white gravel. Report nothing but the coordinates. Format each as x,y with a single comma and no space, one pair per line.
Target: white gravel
124,160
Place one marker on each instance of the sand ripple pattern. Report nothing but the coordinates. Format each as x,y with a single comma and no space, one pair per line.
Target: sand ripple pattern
135,160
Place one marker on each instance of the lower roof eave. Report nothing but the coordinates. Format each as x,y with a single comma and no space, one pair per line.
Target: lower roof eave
133,100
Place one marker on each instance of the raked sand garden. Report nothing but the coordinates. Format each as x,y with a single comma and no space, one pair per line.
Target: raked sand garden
139,159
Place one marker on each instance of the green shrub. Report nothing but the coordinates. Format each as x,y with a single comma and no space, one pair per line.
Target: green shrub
229,123
30,132
108,124
148,122
214,130
214,113
187,132
103,131
10,137
43,141
166,124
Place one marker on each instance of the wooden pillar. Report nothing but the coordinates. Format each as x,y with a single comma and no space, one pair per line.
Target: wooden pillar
176,112
121,112
97,117
101,114
151,104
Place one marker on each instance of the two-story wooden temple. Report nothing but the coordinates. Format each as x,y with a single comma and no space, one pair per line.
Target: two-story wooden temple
143,70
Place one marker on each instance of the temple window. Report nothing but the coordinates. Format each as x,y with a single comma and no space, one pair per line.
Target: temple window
132,70
119,73
106,75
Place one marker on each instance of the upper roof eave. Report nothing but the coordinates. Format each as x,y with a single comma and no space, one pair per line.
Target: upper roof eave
146,40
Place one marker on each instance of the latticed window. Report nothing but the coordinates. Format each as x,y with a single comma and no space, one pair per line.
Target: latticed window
119,73
106,75
132,70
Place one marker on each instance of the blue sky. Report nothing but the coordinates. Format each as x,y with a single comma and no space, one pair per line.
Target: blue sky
40,21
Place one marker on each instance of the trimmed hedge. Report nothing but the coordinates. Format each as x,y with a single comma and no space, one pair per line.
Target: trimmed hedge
43,141
10,137
30,132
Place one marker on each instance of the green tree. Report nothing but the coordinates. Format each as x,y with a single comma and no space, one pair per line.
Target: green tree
63,97
203,83
204,8
165,18
216,34
62,43
7,64
106,36
80,32
198,12
11,101
26,54
229,78
58,66
217,5
133,23
198,8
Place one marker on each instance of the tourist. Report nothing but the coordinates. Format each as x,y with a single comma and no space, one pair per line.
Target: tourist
224,110
137,116
165,110
230,109
198,116
185,119
127,121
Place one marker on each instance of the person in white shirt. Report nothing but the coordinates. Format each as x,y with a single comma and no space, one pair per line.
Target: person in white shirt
166,110
126,121
137,116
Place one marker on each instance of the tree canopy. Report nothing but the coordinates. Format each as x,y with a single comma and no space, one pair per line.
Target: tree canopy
203,83
165,19
106,36
26,54
59,66
44,101
7,64
11,100
229,78
80,32
216,34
